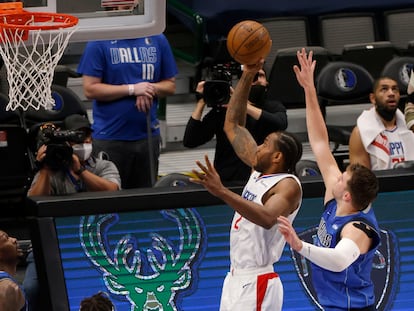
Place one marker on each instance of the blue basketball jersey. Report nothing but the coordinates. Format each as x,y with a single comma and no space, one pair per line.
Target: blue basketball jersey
352,287
5,275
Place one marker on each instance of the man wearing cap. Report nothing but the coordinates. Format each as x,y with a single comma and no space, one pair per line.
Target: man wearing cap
83,172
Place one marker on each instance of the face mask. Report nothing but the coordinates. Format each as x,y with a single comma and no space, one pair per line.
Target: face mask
385,113
83,151
257,94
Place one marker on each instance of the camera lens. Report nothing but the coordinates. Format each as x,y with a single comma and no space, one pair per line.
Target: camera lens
216,93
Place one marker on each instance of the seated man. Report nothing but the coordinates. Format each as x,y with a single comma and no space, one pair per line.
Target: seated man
263,117
381,137
67,166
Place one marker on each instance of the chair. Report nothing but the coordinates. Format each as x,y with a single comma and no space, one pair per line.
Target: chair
66,103
372,55
337,30
283,85
399,68
286,32
399,26
343,84
175,180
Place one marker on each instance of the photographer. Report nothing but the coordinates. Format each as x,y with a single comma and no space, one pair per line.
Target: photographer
263,117
65,162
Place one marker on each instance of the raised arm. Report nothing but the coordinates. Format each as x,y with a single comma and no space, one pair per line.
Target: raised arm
242,141
357,152
315,123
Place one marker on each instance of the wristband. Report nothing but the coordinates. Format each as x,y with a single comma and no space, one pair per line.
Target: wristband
131,89
199,96
80,171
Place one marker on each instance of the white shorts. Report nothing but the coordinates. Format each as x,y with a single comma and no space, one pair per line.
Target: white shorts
252,290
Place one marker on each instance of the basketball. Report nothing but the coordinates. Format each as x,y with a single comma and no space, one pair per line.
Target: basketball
248,41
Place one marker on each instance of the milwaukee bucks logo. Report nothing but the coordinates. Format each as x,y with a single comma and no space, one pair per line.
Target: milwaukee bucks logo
169,265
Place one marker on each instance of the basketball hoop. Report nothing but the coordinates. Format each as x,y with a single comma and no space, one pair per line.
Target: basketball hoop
31,45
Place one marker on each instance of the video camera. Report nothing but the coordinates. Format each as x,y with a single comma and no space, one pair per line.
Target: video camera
217,88
59,151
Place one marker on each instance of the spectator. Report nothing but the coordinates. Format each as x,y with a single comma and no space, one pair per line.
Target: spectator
97,302
381,137
272,190
57,176
409,106
348,235
12,297
83,172
263,118
125,79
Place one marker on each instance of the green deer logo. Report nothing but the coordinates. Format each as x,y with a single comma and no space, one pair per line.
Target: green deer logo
122,273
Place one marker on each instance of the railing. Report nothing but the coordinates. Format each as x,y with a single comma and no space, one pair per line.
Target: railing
193,22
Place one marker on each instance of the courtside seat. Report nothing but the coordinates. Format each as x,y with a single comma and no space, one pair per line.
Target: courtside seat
66,103
284,86
343,84
399,68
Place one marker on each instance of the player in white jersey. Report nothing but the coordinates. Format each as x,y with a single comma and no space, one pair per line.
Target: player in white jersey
381,137
272,190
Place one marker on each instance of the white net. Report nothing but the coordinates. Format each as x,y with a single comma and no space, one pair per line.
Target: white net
30,58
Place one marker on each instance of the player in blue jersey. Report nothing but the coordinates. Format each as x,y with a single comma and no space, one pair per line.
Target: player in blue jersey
12,297
348,233
125,79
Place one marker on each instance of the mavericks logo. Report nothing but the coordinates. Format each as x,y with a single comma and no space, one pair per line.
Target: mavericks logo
149,279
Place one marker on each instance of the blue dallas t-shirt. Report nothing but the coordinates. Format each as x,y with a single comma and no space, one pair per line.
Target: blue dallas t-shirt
126,61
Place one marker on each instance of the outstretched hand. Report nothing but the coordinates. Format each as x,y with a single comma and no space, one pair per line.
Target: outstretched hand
209,178
286,228
305,73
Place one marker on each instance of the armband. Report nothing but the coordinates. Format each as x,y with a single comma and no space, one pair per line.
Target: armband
199,96
131,89
80,171
363,227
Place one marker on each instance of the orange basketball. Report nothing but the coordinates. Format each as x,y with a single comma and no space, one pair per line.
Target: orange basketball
248,41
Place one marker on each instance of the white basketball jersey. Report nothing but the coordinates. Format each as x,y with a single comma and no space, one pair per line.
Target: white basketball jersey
252,245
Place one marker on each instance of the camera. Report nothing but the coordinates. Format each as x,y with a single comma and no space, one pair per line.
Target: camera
217,88
59,151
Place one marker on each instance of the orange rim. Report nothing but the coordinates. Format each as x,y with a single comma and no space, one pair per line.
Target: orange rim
17,20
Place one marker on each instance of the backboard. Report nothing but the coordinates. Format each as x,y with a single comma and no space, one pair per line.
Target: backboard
107,19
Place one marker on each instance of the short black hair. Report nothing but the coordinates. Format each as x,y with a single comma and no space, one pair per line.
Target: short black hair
97,302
